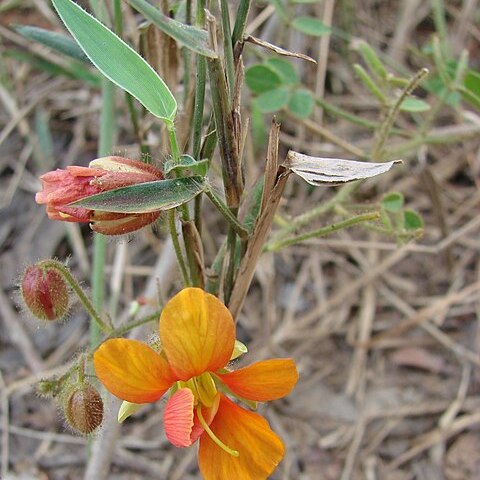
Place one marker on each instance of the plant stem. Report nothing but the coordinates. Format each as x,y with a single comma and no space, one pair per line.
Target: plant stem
227,213
99,243
386,126
177,248
240,21
227,47
89,307
321,232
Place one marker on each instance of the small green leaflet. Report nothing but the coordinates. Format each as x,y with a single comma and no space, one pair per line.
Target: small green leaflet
145,197
117,60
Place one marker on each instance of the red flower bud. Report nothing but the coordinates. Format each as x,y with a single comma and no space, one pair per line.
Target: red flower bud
84,408
63,187
45,292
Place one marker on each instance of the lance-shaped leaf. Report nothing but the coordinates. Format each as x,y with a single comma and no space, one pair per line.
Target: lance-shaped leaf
117,60
145,197
333,171
193,38
57,41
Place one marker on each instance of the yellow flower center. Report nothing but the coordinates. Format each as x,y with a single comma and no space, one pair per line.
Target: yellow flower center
203,389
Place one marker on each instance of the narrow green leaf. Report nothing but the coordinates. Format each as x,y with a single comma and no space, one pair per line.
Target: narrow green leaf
368,81
193,38
273,100
371,59
117,60
301,103
75,70
392,202
56,41
261,78
145,197
310,26
413,104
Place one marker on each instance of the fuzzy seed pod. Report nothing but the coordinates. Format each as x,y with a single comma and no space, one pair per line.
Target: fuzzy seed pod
45,292
84,408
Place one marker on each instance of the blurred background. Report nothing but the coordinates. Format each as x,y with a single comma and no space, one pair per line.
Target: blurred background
382,320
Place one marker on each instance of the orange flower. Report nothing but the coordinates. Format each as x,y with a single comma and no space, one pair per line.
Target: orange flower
197,336
63,187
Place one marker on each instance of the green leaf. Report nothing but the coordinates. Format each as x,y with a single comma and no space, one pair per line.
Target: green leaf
145,197
75,70
310,26
472,81
392,202
285,70
186,166
117,60
193,38
371,59
414,105
412,220
273,100
301,103
56,41
261,78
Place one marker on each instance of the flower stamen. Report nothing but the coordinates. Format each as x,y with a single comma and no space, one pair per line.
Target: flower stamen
229,450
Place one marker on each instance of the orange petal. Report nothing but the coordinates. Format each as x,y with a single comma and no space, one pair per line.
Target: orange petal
261,450
263,381
197,333
178,417
132,371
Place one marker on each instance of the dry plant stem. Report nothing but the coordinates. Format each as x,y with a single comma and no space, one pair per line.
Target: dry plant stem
225,133
260,231
321,232
91,310
328,135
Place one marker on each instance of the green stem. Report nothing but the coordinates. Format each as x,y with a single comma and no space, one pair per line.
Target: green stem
385,128
177,248
227,213
227,47
89,307
240,21
119,332
172,135
341,196
105,144
321,232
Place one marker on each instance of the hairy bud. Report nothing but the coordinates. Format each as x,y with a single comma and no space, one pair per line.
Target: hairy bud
84,408
45,292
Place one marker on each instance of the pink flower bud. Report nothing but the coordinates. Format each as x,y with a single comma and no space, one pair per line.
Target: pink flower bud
63,187
84,408
45,292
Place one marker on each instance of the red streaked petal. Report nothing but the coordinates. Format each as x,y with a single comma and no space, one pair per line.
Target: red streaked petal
260,449
178,417
263,381
197,333
132,371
